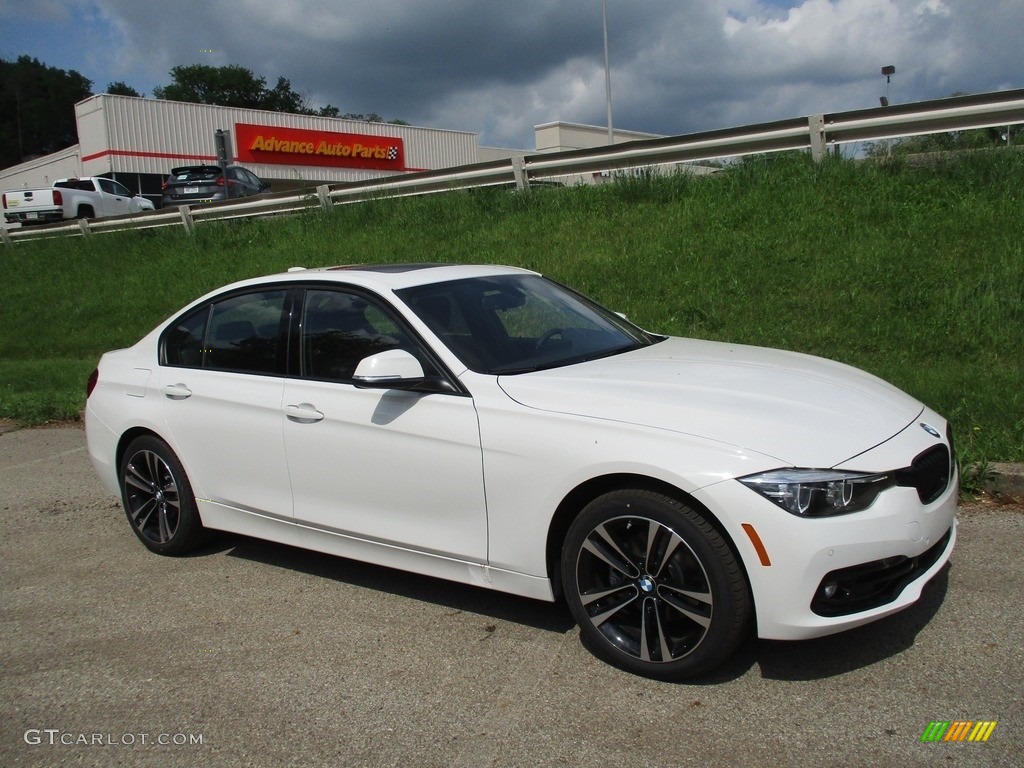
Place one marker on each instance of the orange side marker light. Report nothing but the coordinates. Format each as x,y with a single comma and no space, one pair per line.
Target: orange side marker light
762,553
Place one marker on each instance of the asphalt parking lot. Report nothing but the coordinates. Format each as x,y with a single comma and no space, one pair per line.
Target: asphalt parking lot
251,654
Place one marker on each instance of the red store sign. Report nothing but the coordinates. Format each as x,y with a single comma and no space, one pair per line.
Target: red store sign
298,146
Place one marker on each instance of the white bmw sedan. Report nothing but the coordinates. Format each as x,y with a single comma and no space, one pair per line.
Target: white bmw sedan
489,426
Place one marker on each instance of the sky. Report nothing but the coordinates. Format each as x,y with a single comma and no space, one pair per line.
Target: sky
500,67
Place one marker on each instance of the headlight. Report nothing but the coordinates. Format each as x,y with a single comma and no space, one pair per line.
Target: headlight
819,492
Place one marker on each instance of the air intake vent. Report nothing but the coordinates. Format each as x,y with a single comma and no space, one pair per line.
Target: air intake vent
930,473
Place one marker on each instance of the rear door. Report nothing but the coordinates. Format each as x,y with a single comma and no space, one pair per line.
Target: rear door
222,379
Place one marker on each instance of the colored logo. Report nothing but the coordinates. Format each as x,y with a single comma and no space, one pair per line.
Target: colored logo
301,146
958,730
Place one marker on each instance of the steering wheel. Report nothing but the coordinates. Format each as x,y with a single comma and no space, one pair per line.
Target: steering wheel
547,336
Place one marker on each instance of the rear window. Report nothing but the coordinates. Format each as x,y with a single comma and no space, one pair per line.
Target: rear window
195,174
81,184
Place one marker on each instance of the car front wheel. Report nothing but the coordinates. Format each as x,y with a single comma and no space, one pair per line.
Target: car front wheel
158,499
654,587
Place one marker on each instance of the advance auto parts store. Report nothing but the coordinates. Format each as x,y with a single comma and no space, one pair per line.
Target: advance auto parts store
137,141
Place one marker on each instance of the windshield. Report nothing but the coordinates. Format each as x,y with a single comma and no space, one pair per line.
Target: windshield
519,323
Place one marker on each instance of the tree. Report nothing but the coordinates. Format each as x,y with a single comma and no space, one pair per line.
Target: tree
373,117
230,86
121,89
281,98
236,86
37,108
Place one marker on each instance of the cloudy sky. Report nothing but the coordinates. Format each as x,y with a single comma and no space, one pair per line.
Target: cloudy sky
500,67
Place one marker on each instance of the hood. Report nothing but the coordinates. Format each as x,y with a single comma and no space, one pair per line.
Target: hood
804,411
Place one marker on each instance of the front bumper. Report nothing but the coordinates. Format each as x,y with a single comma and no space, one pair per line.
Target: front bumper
805,555
870,585
830,574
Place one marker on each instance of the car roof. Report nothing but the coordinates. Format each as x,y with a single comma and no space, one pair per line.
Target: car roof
382,278
397,276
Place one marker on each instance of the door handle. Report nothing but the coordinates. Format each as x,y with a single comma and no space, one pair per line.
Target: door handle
303,413
177,391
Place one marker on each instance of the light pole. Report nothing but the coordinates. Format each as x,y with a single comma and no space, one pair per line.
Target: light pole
887,71
607,71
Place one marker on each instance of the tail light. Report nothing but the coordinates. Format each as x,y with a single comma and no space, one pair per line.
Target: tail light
164,184
58,198
90,383
5,200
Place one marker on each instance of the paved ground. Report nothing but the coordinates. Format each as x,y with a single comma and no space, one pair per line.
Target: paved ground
270,656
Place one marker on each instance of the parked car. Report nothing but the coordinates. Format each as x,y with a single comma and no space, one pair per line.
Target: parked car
194,184
88,197
490,426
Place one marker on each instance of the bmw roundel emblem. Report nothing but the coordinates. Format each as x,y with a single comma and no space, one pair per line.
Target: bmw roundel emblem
931,430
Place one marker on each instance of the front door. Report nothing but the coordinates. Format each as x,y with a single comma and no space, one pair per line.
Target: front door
393,467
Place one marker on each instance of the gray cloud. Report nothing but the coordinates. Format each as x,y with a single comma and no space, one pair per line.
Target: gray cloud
499,68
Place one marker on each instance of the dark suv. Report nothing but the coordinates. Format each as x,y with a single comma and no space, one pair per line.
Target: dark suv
193,184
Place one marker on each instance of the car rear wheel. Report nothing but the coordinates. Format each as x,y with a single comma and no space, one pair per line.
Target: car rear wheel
654,587
158,499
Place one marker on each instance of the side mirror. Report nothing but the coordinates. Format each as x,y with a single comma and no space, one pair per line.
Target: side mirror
393,369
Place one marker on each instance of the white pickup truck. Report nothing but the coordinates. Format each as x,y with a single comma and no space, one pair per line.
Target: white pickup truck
88,197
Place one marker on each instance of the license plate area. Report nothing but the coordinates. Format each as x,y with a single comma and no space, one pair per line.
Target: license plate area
191,190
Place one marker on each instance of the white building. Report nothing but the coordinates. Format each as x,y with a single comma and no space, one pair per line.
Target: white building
137,141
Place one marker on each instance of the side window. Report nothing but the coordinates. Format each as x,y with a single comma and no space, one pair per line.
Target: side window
119,189
339,329
183,342
106,186
245,334
241,333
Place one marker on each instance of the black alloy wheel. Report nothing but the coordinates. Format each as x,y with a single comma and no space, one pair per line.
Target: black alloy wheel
158,499
654,587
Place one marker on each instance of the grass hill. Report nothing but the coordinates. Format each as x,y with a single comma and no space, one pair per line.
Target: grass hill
914,272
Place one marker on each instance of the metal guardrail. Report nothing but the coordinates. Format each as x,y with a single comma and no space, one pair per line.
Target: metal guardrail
816,133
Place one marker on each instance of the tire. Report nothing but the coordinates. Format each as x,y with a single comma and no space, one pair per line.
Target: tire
655,589
158,498
85,212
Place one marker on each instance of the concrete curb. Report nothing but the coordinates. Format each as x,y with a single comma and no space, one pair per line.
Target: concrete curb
1007,480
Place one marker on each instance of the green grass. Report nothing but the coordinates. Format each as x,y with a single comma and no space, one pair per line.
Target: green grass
915,273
